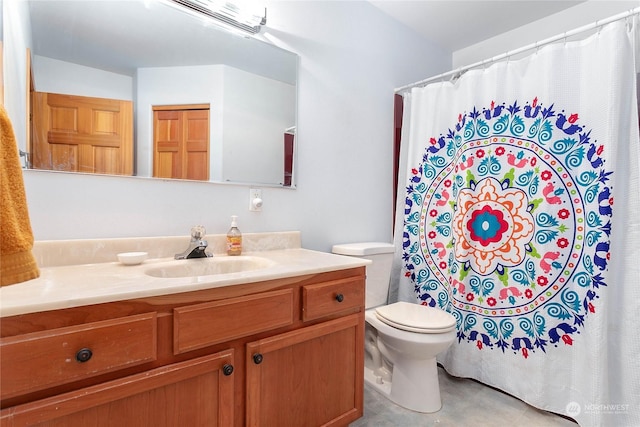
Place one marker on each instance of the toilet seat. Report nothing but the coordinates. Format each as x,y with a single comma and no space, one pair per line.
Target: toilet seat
416,318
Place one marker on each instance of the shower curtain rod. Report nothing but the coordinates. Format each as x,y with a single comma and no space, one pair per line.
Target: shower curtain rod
536,45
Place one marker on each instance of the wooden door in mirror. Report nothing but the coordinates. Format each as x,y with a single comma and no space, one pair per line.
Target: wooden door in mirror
181,142
82,134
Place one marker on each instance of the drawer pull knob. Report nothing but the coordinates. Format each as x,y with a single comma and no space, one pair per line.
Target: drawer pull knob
83,355
339,297
227,369
257,358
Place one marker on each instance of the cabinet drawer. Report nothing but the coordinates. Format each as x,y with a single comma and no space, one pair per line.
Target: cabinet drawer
205,324
49,358
337,296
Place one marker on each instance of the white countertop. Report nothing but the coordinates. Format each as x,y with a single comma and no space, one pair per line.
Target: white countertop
77,285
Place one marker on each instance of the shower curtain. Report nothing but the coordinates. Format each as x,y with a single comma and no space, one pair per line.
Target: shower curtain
521,217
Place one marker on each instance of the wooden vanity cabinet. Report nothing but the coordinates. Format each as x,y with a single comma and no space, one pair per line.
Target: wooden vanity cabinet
285,352
307,377
196,392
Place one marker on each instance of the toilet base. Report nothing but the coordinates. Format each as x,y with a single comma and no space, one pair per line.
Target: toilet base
419,393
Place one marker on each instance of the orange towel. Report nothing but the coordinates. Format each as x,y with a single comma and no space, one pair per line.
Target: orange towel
17,263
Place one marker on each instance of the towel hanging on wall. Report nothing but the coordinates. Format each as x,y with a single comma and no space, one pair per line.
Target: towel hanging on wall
17,263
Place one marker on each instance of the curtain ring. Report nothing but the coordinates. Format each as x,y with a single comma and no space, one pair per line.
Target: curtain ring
598,27
629,21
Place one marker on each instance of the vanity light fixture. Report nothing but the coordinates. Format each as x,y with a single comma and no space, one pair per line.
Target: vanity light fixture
247,15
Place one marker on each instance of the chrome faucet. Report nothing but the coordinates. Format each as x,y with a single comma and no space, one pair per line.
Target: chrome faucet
197,245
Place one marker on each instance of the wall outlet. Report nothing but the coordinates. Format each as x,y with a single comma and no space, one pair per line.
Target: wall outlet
255,199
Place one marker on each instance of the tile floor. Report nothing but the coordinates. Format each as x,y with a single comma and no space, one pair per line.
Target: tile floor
466,403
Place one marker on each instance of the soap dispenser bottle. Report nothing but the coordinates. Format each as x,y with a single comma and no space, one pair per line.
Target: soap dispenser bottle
234,238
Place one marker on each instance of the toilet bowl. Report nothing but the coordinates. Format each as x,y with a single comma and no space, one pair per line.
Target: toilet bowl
409,356
401,339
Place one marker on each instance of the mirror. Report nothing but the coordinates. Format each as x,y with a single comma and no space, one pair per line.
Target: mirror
160,57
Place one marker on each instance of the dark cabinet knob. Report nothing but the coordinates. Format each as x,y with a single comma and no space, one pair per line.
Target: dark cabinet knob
257,358
83,355
227,369
339,297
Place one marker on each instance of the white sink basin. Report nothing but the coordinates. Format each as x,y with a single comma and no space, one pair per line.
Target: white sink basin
209,266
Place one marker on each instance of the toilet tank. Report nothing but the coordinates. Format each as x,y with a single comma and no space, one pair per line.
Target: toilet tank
378,272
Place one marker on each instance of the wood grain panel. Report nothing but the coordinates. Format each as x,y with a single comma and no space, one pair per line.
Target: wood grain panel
181,142
44,359
201,325
78,124
322,299
320,363
192,393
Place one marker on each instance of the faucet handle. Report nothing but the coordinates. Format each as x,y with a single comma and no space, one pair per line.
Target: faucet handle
198,232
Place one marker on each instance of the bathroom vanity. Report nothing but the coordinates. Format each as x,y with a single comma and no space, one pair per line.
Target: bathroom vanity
277,346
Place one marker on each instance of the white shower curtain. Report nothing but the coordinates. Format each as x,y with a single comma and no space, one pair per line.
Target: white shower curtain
521,217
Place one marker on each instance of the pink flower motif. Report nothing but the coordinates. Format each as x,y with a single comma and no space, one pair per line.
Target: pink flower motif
480,154
499,151
433,212
491,301
469,297
432,235
443,265
562,243
491,226
563,214
533,161
447,183
528,293
542,281
546,175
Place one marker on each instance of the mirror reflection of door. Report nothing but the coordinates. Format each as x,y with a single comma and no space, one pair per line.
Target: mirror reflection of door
82,134
181,141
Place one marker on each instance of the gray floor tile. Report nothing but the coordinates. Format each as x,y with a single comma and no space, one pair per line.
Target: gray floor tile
466,403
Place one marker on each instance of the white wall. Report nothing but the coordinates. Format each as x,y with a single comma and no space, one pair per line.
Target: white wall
257,110
352,58
16,30
54,76
577,16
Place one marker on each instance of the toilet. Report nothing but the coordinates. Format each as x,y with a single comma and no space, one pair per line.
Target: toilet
401,339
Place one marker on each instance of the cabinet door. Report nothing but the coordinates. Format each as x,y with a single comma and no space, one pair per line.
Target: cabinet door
194,393
308,377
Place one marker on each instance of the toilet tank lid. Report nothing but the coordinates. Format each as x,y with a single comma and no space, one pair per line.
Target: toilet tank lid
363,249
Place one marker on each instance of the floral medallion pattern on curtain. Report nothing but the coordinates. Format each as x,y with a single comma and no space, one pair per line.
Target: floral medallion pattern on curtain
507,225
521,219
